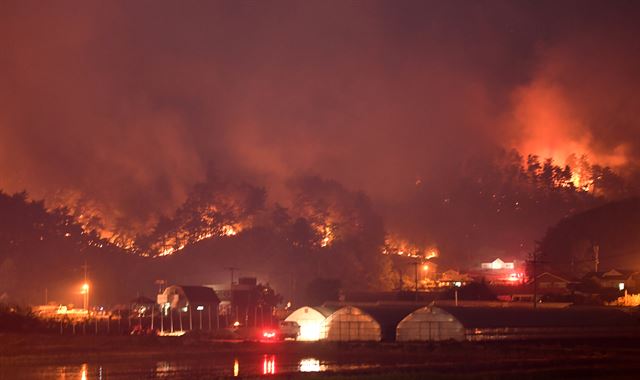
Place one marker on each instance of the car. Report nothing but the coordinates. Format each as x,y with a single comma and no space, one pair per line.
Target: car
289,330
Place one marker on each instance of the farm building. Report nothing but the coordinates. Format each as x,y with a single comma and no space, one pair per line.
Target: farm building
346,323
486,323
189,302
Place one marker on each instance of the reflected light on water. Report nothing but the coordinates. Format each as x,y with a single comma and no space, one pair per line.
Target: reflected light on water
164,369
236,368
269,365
83,371
311,365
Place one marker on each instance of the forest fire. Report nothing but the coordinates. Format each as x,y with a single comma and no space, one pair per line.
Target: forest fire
579,181
172,246
397,246
341,171
230,230
326,234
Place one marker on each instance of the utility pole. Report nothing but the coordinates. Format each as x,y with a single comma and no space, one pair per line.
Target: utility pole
160,284
232,271
534,263
85,267
596,253
415,263
231,293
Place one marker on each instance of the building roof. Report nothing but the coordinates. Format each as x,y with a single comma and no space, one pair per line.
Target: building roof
200,294
489,317
613,274
555,277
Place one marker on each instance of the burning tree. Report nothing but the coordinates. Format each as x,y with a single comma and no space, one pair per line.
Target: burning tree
214,208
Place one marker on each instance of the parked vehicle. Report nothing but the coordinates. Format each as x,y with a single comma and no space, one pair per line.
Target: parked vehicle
289,330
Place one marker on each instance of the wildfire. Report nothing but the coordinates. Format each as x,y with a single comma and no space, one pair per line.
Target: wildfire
581,182
326,232
396,246
431,253
171,246
230,230
171,250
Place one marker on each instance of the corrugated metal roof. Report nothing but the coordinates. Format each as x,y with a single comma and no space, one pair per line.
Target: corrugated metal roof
488,317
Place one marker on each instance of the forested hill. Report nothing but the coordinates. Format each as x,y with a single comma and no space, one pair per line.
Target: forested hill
42,252
612,229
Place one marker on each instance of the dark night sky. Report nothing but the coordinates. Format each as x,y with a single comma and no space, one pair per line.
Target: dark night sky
127,104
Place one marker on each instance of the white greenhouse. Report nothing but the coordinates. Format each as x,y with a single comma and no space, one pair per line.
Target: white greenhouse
343,324
429,324
349,324
311,321
514,323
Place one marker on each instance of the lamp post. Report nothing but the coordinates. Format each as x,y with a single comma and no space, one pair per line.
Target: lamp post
456,285
200,308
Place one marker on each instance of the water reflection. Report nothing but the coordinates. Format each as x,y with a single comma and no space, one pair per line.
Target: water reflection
269,365
163,369
59,372
83,371
311,365
236,368
220,365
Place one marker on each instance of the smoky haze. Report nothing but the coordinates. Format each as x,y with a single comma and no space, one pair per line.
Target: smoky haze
125,106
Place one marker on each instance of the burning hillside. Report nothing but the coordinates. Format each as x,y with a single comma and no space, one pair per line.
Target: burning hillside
394,245
320,213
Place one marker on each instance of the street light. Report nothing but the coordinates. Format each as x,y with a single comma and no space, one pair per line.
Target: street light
456,285
200,308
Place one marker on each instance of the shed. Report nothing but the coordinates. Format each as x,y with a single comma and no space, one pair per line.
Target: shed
180,299
180,296
495,323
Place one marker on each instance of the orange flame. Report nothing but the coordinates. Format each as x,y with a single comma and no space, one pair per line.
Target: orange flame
397,246
326,232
